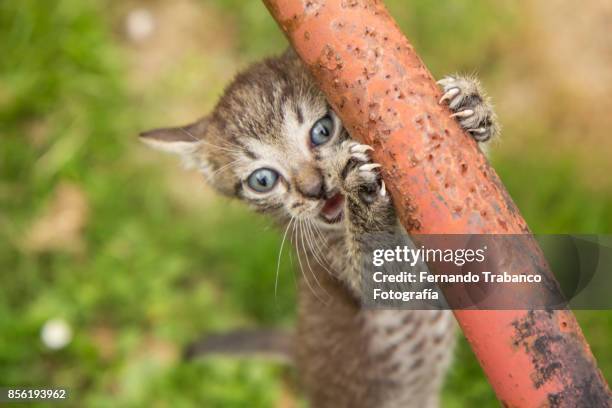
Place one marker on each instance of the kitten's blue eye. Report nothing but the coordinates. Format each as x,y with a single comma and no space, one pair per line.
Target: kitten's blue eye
322,131
262,180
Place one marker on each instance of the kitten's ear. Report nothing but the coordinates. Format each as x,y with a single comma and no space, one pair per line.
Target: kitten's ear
183,140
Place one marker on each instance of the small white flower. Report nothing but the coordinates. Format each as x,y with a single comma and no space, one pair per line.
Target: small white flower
140,24
56,334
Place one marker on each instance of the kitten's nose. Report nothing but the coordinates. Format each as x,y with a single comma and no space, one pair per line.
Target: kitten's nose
309,182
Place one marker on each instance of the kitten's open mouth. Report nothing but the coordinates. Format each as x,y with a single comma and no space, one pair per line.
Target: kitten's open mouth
332,209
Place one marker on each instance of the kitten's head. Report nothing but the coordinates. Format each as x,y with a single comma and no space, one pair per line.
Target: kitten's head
268,142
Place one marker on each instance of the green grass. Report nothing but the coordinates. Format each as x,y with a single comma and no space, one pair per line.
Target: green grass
155,273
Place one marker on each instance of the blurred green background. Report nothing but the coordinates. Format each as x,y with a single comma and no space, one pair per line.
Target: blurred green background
138,257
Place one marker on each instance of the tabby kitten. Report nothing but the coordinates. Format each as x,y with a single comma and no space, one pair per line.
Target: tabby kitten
273,142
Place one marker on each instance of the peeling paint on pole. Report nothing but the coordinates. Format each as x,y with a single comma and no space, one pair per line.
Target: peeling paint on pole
440,183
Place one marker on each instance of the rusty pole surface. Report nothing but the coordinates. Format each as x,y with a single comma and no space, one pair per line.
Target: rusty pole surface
441,184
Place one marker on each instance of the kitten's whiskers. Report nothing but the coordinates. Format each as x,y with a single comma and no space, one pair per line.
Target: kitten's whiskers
316,249
225,166
297,250
322,236
302,236
238,149
280,253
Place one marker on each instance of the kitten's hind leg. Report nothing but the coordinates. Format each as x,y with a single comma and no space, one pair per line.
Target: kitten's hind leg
470,105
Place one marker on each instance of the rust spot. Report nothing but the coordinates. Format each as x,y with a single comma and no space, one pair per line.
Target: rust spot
339,25
349,3
370,32
559,358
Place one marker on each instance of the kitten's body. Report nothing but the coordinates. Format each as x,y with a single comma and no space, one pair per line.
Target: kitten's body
348,356
274,142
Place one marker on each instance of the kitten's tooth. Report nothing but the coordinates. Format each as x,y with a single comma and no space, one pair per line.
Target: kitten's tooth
383,190
463,114
449,95
369,166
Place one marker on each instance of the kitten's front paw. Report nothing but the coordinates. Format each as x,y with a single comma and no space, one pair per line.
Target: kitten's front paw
470,106
360,177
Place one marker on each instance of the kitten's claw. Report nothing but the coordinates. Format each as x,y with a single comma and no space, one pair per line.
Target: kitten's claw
449,95
463,114
480,134
369,166
480,130
368,175
362,157
360,148
359,151
356,150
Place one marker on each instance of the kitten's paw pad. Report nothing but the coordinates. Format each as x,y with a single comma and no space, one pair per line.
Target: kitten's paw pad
470,106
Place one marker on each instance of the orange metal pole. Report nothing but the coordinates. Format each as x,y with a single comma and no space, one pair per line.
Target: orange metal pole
441,184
